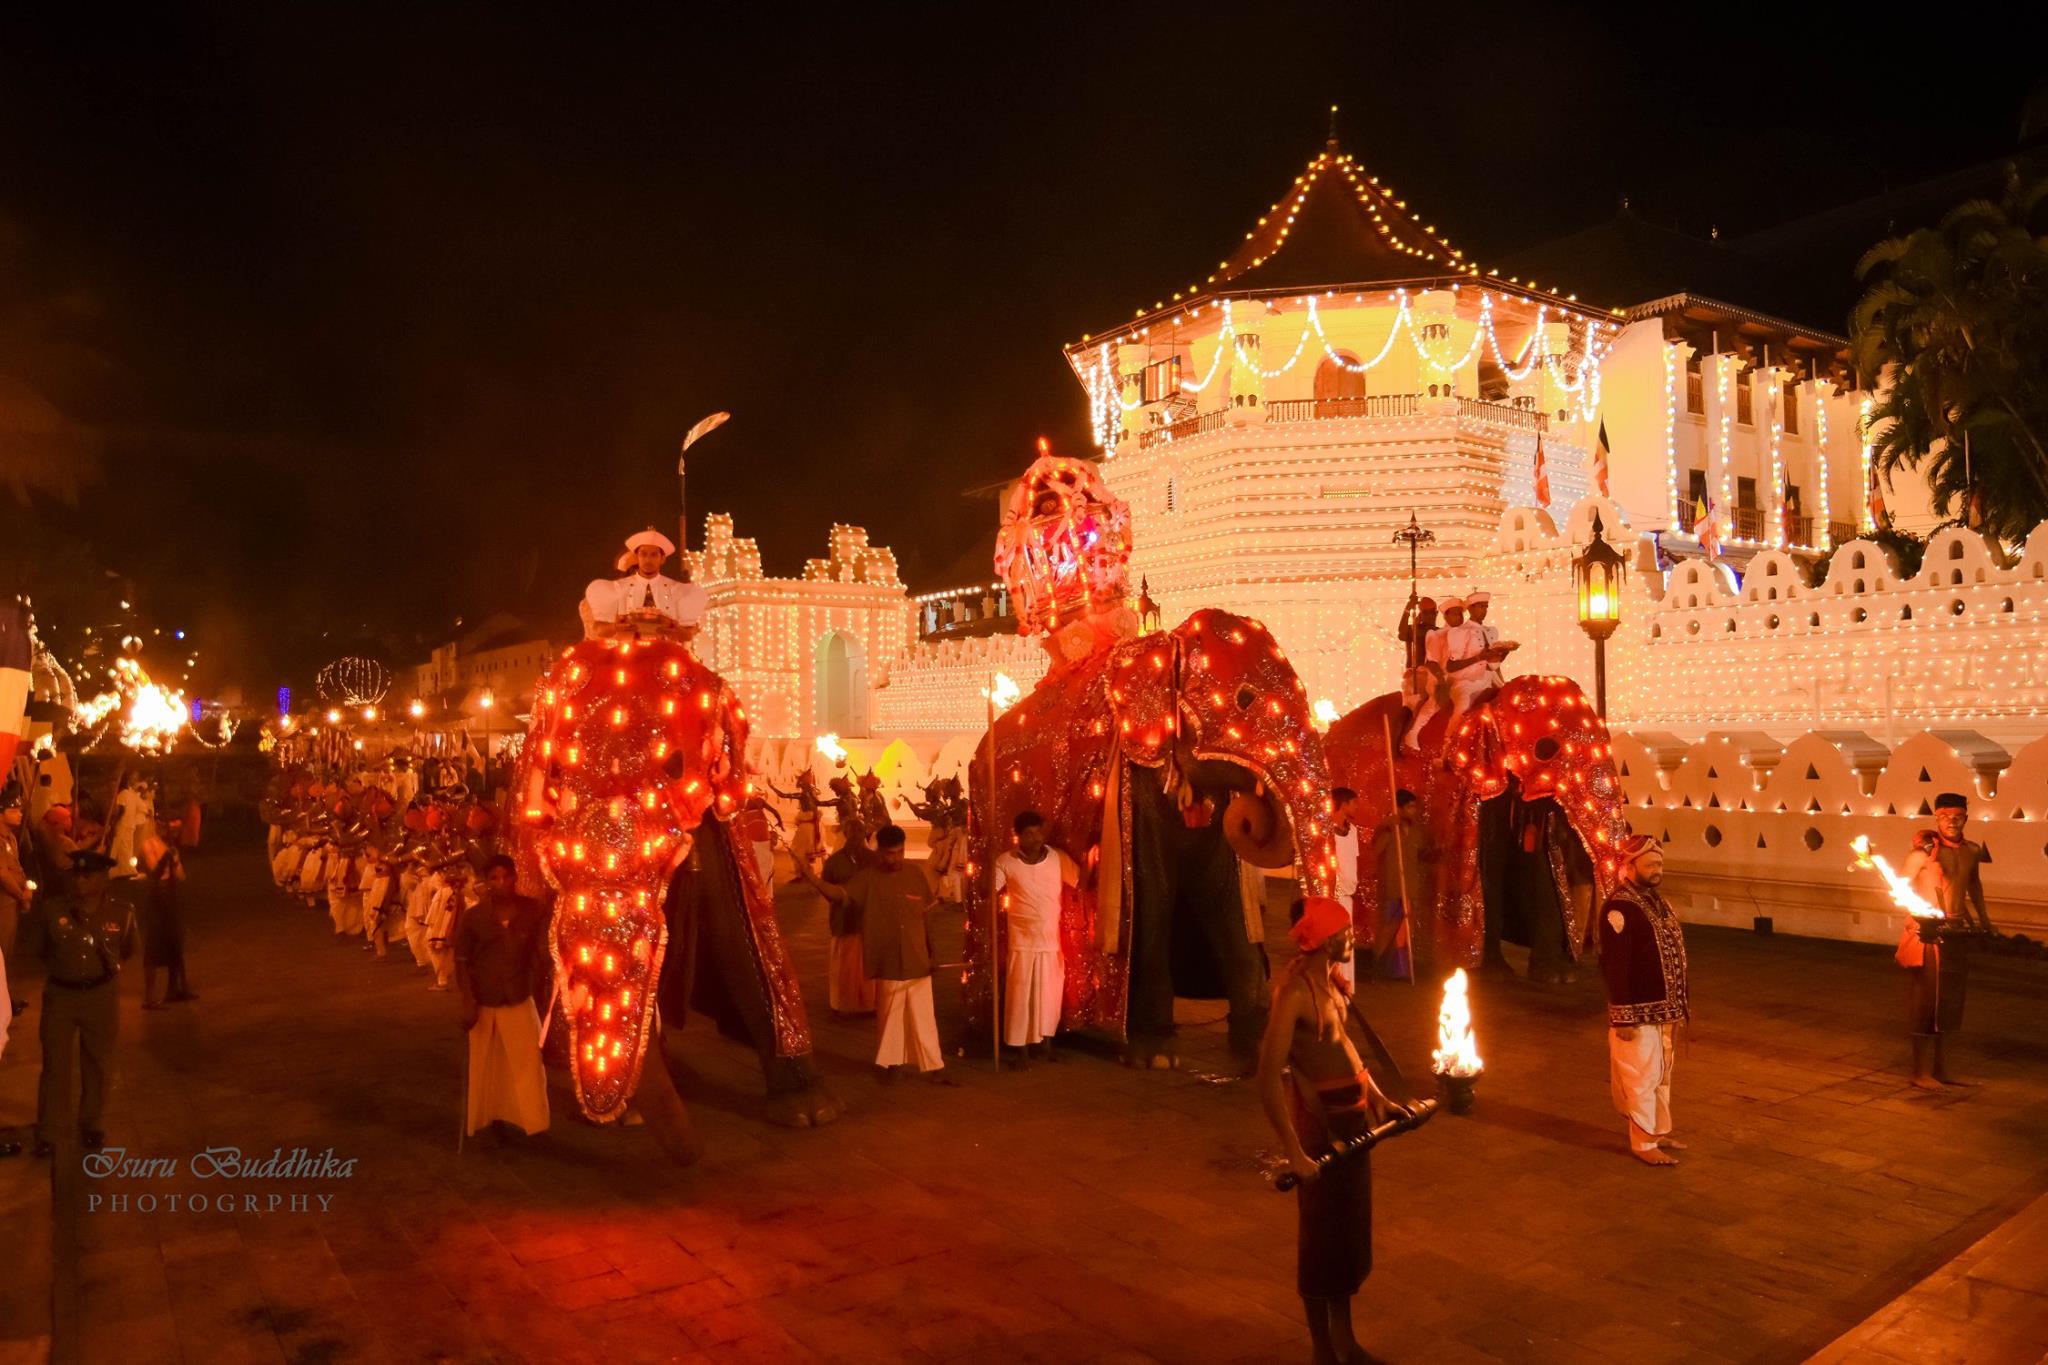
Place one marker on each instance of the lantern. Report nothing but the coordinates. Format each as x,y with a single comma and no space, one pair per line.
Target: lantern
1598,571
1148,610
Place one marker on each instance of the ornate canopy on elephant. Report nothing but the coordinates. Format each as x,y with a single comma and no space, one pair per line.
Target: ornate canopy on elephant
1158,763
1539,743
631,775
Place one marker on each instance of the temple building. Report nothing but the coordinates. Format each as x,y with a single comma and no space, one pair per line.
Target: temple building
1346,366
805,652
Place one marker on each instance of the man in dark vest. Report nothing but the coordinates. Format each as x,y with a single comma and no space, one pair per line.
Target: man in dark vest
1642,958
82,937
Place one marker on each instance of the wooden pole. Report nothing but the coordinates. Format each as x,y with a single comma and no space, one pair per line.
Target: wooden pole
995,922
1400,845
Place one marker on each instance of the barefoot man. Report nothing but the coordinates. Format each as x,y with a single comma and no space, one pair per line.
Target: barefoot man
1317,1093
1642,957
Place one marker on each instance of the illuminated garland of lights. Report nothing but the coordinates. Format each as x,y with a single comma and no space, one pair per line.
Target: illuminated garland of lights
353,681
1671,429
1826,521
1776,396
1724,514
1864,519
1104,385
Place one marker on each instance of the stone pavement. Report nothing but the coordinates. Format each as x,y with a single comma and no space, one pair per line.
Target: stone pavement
1989,1306
1068,1213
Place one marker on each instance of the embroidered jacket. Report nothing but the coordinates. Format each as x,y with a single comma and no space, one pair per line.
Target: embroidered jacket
1642,957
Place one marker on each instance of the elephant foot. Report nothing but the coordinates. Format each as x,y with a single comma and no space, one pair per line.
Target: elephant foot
1152,1054
814,1106
665,1113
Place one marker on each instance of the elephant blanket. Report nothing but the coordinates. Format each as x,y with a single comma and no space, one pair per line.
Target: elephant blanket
1213,692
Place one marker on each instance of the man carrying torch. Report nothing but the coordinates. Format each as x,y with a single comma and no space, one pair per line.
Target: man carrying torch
1332,1101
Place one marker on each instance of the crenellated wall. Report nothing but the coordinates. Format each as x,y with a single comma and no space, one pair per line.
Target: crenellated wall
1753,828
1963,642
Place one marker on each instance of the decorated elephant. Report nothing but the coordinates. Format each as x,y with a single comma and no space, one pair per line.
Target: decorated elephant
1159,763
629,789
1527,811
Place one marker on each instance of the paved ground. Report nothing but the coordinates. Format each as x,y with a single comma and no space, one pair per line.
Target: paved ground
1077,1212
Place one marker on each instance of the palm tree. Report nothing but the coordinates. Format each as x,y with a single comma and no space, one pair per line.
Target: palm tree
1954,324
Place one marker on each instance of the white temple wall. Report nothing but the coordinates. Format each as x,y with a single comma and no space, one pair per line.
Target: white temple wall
1754,829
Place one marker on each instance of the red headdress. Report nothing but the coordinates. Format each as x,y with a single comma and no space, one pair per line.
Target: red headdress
1322,918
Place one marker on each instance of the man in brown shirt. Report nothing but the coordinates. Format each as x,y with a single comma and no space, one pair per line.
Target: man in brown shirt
502,968
893,899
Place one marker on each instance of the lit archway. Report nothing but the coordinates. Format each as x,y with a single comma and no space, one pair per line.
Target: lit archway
842,684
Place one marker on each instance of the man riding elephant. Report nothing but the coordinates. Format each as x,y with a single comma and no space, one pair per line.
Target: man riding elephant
631,783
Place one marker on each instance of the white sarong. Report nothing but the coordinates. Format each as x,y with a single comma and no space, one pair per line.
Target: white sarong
1640,1068
1033,983
910,1028
506,1080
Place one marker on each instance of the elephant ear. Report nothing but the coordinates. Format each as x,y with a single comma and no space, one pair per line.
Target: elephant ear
1257,831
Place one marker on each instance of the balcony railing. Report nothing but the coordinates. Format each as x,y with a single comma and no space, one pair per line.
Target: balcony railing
1183,429
1329,409
1505,414
1748,523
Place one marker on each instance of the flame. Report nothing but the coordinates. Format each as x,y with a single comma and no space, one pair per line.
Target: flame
1903,894
1325,712
1002,692
829,745
150,716
1457,1051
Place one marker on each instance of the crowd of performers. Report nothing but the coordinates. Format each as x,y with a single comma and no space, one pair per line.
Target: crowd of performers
386,858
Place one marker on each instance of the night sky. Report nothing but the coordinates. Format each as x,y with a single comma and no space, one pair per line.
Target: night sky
374,319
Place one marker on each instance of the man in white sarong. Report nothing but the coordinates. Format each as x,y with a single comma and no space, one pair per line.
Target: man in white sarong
346,869
1031,879
503,970
1346,841
645,601
1642,960
895,901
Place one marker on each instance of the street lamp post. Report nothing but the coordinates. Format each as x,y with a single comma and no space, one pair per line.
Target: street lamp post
488,701
1599,570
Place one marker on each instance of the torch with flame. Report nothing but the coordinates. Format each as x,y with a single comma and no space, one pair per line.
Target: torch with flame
1456,1059
1903,894
1002,693
830,747
1457,1051
1325,713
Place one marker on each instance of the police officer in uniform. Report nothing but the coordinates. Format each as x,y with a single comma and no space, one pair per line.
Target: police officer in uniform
82,938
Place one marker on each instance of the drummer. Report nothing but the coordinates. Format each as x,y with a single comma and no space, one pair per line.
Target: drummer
645,601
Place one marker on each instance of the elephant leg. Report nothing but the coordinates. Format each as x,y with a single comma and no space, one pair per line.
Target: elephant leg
1212,908
1154,873
730,984
667,1117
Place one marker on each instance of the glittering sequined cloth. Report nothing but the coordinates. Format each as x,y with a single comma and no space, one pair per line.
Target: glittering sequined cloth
1215,687
636,749
1540,731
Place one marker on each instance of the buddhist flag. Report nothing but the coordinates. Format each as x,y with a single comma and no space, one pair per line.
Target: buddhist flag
14,680
1876,502
1600,456
699,432
1542,474
1704,529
